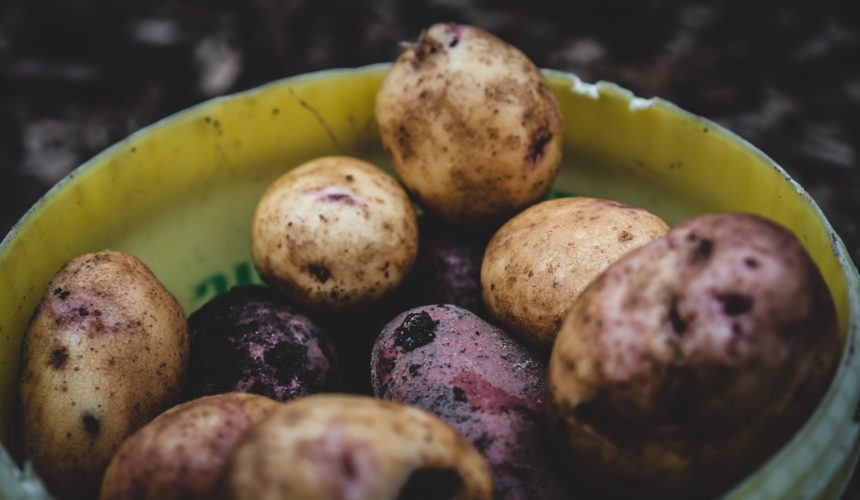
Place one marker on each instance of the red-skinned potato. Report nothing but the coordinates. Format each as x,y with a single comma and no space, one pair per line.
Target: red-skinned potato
182,453
691,360
453,364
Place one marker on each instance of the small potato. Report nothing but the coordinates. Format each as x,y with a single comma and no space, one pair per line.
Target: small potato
334,233
105,352
538,262
355,447
470,125
448,267
691,360
251,340
448,361
182,453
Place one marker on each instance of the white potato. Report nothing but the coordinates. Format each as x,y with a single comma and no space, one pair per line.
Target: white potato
538,262
470,125
105,352
339,446
334,233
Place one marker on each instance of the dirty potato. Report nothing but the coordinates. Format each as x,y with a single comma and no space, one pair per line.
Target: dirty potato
448,267
105,352
334,233
250,339
471,374
538,262
338,446
182,453
470,125
691,360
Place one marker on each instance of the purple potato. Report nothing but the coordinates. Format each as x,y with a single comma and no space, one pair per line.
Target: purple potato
448,267
450,362
250,340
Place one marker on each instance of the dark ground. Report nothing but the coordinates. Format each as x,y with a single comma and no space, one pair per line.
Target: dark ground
78,76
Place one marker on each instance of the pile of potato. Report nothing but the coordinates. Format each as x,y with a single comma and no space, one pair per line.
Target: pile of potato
496,347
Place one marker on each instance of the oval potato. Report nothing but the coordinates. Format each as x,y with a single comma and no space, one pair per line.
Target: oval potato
250,339
471,374
689,361
538,262
105,351
182,453
470,125
338,446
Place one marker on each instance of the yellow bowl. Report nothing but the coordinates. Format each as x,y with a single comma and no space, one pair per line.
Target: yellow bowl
180,194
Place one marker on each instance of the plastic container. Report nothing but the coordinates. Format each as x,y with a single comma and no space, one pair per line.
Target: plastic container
179,195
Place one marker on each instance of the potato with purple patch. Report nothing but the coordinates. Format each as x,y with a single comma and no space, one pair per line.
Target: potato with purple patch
691,360
470,125
538,262
105,352
355,447
252,340
448,361
183,452
334,233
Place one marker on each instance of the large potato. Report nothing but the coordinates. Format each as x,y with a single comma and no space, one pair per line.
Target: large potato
105,352
470,125
538,262
450,362
334,233
182,453
692,359
355,447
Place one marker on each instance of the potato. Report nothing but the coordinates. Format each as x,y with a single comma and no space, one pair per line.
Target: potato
448,267
470,125
691,360
182,453
105,351
334,233
251,340
355,447
538,262
448,361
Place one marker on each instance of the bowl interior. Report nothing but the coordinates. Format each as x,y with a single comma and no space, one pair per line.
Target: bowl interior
180,193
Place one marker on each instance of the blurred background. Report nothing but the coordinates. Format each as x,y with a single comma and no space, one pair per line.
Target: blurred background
76,77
